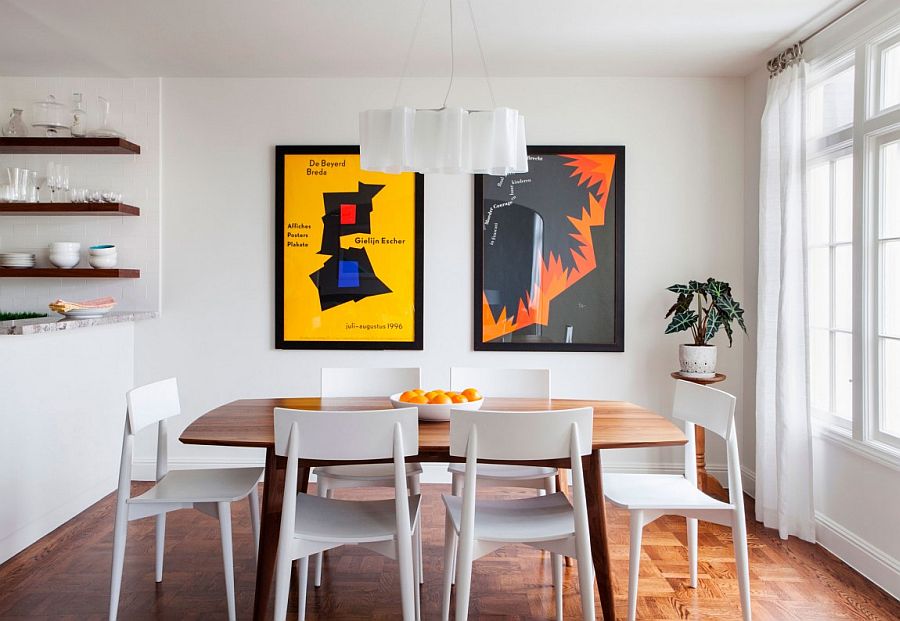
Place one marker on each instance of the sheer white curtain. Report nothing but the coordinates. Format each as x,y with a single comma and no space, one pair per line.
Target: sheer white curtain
783,442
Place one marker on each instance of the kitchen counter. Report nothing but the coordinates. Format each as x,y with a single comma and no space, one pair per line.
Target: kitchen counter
57,323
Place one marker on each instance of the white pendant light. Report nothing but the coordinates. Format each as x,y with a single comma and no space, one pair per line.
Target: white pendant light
443,140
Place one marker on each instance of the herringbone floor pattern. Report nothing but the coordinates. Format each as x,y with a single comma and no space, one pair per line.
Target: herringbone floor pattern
66,575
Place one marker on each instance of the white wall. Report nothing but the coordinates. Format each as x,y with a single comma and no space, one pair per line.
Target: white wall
134,110
683,213
62,406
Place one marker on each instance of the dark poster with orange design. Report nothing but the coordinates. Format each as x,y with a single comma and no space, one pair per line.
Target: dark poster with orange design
549,255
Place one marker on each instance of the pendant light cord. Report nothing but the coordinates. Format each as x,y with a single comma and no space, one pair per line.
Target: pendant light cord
487,78
409,50
452,66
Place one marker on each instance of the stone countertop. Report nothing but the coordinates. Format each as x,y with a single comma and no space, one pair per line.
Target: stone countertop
57,323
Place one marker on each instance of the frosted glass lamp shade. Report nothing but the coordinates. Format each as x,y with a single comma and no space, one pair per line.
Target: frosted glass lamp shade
449,140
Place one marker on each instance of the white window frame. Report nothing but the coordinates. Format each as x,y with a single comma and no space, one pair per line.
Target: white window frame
870,126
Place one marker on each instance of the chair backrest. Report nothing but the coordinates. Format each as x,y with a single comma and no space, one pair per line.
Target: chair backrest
347,436
513,436
146,405
368,382
152,403
525,383
712,409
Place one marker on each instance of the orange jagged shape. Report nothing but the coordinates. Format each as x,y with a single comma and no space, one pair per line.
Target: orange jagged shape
593,171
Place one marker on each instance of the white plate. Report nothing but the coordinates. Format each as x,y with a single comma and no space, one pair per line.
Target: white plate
87,313
435,411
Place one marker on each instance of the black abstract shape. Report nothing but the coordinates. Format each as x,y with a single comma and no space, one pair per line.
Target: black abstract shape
333,289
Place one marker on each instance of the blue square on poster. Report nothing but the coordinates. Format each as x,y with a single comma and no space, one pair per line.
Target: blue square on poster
348,274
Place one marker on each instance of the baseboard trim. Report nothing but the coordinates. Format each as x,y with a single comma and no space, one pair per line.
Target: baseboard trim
872,562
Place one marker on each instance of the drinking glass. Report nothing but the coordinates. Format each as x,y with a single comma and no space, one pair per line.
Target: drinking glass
64,183
51,180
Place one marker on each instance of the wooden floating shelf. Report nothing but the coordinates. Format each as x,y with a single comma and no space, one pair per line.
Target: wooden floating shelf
69,146
75,272
68,209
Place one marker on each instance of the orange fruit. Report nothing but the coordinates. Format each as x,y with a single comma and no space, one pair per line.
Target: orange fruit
451,393
431,394
407,396
440,399
418,399
418,391
472,394
459,399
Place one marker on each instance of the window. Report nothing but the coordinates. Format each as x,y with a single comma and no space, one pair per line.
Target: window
853,237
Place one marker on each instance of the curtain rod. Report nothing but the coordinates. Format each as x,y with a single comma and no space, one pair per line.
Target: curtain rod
794,53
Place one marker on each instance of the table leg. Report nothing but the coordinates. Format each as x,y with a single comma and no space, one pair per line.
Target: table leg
273,494
593,487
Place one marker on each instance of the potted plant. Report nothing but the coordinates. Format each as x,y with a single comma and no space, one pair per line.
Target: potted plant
716,309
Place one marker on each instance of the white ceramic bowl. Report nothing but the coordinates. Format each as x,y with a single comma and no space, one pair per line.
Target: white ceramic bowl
64,260
102,249
63,247
106,261
435,411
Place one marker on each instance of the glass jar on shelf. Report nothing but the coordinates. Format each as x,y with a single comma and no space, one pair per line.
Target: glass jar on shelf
49,115
15,127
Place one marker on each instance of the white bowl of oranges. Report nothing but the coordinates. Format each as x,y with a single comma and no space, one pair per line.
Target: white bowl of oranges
436,404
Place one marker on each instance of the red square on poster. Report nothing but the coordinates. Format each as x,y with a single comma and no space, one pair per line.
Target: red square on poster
348,213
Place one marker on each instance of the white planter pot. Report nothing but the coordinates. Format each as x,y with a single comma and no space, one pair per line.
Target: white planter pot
697,360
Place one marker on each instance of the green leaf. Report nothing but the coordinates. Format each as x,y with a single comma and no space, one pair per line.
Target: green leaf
682,321
728,307
713,323
699,287
680,289
729,331
683,303
716,288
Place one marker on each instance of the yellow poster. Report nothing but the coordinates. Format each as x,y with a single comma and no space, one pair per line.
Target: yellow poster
349,257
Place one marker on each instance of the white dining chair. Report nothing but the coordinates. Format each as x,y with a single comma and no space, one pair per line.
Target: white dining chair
523,383
548,522
365,382
210,491
312,524
651,496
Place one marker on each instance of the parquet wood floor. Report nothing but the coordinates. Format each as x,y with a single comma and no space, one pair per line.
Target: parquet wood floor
65,576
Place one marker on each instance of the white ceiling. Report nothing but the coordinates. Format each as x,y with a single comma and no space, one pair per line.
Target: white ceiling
319,38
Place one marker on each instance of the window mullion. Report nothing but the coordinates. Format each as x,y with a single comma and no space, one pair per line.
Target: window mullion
862,286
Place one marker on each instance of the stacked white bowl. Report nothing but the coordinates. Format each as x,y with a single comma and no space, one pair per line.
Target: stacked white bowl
103,256
65,254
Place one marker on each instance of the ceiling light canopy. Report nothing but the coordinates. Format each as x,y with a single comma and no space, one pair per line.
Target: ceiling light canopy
443,140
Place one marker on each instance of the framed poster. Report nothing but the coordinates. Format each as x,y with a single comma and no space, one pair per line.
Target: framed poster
348,259
549,253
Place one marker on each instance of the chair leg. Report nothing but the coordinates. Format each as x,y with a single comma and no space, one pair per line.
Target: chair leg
414,489
562,485
449,566
464,576
739,535
302,579
585,574
556,560
634,561
324,491
408,581
282,582
417,570
456,490
692,549
224,509
253,499
118,560
160,544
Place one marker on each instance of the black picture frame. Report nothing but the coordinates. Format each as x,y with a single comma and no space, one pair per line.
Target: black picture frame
617,193
280,342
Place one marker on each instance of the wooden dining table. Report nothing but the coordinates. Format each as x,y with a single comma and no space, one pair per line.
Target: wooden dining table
250,423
